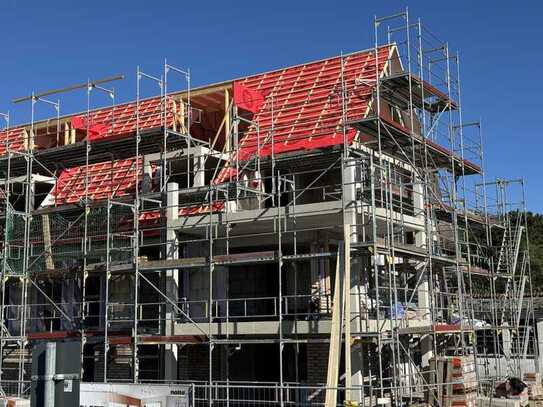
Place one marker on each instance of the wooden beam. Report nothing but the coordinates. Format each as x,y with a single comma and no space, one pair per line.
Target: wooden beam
182,115
219,132
227,144
335,338
67,131
207,89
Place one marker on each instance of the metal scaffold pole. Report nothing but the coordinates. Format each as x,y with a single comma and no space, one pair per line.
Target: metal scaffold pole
4,333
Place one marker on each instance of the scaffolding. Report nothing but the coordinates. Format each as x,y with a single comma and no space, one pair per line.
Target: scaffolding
336,243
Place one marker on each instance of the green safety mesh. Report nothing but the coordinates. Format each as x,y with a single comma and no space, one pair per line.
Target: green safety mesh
56,242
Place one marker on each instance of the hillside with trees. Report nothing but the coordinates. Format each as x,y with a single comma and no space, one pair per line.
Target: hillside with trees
535,234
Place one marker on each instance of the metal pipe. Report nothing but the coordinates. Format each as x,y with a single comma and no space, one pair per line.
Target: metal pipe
50,367
67,89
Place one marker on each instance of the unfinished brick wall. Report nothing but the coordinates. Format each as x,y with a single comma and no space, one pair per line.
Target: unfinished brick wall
119,365
317,362
193,363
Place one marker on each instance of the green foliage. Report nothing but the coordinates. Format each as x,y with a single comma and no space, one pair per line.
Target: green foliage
535,234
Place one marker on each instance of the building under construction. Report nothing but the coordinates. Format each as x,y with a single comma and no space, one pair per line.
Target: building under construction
316,235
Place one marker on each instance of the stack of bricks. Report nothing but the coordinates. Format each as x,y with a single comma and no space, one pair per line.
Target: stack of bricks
455,381
535,389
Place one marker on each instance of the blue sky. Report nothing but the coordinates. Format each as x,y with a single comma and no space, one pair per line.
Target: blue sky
50,44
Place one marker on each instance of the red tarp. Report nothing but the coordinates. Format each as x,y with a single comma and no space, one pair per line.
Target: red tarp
96,131
247,98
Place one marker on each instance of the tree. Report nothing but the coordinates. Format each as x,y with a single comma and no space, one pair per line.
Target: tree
535,235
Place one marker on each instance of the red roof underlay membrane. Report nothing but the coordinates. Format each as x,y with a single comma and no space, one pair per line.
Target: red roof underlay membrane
303,105
247,98
120,121
95,131
105,124
106,180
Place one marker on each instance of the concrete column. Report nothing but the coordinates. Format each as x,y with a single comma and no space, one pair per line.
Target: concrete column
506,340
349,197
356,289
424,314
423,290
147,182
418,205
172,281
198,167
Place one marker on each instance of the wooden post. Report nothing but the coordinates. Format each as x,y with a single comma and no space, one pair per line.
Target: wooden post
335,337
66,133
183,126
227,124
